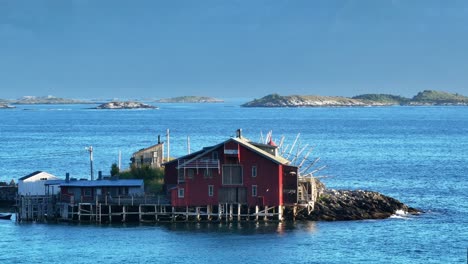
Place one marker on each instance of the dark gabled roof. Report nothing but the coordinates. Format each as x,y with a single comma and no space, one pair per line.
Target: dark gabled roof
30,175
145,149
104,183
196,153
242,141
246,143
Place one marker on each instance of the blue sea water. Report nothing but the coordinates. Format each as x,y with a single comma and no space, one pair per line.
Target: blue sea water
418,155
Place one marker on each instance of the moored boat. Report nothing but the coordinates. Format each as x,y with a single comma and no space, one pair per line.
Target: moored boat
5,216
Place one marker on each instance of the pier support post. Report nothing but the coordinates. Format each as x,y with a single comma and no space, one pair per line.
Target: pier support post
294,212
256,213
110,213
238,212
209,210
173,214
79,212
280,213
155,213
139,214
220,211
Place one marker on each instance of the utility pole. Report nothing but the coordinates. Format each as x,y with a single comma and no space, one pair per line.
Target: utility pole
168,145
90,149
120,159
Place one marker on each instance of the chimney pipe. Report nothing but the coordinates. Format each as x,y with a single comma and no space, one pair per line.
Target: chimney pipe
159,139
239,133
99,175
67,177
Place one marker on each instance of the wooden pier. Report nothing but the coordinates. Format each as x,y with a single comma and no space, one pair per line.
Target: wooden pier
125,210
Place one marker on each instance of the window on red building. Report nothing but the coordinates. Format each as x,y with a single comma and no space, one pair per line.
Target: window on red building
210,190
254,190
232,175
208,173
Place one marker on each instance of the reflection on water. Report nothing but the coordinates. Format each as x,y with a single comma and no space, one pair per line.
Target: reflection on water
241,228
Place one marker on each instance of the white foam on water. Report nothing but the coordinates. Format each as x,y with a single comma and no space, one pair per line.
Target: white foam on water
400,214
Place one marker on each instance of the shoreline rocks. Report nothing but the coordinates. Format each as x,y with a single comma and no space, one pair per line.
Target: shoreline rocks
5,106
125,105
425,98
339,205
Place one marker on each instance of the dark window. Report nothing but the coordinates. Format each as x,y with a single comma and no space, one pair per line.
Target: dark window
87,192
232,175
181,176
208,173
254,171
210,190
190,173
214,155
254,190
181,193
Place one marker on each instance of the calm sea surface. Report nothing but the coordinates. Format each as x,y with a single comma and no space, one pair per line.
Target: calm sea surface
418,155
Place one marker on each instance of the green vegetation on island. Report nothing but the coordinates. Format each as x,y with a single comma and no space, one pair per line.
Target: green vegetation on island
190,99
430,97
388,99
427,97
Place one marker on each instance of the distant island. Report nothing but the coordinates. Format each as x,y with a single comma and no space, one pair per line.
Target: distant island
424,98
28,100
190,99
6,106
125,105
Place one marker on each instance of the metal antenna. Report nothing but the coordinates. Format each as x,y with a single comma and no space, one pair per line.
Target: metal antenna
188,144
295,141
168,144
120,159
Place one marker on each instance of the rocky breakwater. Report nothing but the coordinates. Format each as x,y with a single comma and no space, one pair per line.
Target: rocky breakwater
125,105
336,205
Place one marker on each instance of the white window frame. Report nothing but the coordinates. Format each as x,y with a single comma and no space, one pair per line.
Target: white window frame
254,171
210,190
180,193
254,191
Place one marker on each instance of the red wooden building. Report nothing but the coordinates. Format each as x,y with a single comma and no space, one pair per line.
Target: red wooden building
236,171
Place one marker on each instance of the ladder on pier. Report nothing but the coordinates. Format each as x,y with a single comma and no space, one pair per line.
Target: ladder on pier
98,213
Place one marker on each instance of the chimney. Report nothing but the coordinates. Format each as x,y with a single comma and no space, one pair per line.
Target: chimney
99,175
239,133
67,177
159,139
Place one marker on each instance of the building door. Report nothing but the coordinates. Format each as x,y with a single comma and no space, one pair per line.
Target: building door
233,195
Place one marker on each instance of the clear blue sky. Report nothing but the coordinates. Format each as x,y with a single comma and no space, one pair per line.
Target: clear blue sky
91,49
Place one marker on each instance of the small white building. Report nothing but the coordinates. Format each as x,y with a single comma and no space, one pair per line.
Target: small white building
35,183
